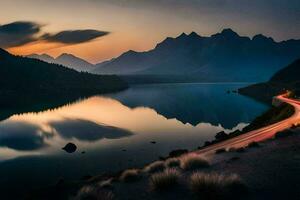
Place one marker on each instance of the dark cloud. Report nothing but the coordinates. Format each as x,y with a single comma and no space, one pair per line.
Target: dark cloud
74,36
22,32
18,33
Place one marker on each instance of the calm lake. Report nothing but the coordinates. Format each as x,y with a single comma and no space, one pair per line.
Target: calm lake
117,131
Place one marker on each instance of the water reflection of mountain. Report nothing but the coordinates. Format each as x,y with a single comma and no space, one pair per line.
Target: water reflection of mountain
37,104
103,127
97,118
194,103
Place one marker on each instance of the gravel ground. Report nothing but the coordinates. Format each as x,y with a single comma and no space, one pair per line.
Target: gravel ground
271,171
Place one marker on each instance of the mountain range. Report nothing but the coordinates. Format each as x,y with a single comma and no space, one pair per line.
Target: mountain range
225,56
67,60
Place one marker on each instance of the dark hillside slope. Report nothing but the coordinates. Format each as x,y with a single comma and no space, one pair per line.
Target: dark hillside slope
26,81
287,78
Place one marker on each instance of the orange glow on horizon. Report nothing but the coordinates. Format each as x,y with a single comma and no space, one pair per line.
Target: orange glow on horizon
94,51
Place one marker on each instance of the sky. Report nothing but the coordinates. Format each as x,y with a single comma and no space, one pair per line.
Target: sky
98,30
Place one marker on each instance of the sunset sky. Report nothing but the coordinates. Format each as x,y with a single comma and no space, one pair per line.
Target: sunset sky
98,30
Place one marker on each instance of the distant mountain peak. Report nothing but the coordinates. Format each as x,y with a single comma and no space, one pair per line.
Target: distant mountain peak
227,33
130,52
182,35
261,37
165,42
65,55
65,59
47,56
43,55
194,34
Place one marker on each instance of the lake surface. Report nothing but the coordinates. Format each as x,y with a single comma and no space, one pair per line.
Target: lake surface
115,131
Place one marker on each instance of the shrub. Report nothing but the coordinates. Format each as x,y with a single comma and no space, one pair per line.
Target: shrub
130,175
156,166
253,144
93,193
165,180
235,158
215,186
173,162
207,143
193,162
283,134
240,150
221,136
222,150
178,152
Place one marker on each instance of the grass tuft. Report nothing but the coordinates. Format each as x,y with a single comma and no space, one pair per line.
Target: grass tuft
193,162
217,187
93,193
107,184
173,162
156,166
130,175
165,180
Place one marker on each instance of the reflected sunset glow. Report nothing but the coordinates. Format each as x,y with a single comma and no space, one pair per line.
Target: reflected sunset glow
142,122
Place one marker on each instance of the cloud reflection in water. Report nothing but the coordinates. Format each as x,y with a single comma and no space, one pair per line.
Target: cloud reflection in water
84,130
22,136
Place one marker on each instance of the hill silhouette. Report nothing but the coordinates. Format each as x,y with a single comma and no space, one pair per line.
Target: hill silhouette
285,79
67,60
30,84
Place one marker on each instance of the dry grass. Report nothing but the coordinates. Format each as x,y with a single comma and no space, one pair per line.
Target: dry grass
173,162
193,162
296,125
165,180
154,167
106,184
130,175
216,187
93,193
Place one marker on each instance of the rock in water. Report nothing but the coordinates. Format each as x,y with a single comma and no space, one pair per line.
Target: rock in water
70,148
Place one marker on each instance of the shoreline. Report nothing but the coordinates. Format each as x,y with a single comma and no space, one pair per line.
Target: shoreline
207,151
256,135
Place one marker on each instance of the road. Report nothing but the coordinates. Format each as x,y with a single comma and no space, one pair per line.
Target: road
259,134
